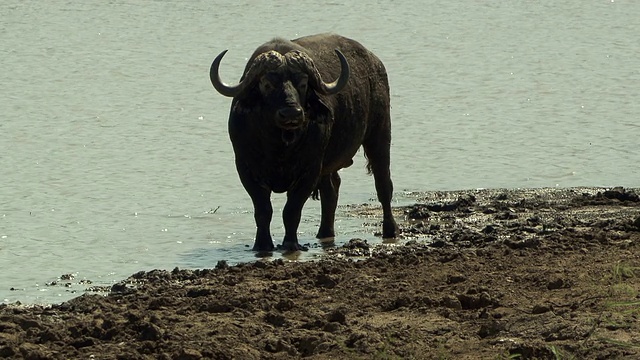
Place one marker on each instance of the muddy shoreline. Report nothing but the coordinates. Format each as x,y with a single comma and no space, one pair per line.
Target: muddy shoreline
527,273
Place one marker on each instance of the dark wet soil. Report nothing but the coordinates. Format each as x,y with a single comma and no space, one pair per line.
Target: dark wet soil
488,274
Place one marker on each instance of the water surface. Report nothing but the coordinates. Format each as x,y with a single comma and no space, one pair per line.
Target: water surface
114,149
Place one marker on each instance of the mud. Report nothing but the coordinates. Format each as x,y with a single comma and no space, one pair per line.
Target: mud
487,274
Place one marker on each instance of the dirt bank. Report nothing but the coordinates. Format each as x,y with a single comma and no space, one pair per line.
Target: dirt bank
491,274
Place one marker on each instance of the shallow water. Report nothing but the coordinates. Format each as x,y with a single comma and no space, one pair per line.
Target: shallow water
114,149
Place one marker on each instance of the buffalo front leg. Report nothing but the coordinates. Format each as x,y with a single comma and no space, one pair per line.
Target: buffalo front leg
329,189
291,215
263,211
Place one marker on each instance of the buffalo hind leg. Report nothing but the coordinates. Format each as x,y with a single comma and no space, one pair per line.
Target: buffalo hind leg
329,187
378,155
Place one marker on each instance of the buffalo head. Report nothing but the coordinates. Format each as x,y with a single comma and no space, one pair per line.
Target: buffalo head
282,83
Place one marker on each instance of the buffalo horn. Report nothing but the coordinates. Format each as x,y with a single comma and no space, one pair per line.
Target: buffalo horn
339,84
224,89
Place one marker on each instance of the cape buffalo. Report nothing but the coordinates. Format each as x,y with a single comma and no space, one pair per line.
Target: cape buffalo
292,131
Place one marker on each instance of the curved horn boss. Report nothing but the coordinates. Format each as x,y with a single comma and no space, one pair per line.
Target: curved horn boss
271,60
303,61
264,62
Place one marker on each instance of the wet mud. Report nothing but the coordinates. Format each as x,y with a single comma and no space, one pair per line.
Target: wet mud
485,274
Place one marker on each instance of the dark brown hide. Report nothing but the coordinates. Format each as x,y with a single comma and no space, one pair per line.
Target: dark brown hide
292,130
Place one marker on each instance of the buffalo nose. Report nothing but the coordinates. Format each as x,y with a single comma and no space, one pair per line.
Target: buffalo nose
290,112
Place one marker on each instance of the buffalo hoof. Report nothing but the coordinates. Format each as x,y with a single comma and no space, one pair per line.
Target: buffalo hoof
324,234
290,247
390,229
266,247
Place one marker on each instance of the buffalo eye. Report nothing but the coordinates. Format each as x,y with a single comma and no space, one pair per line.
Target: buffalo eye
266,85
303,84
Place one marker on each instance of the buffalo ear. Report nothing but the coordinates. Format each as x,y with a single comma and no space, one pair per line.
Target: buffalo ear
319,107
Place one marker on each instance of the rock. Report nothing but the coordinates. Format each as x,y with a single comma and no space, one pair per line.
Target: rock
619,193
222,264
541,308
557,283
188,354
357,244
491,328
339,316
151,332
332,327
462,203
275,319
475,301
417,212
506,215
454,279
326,281
451,302
34,351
